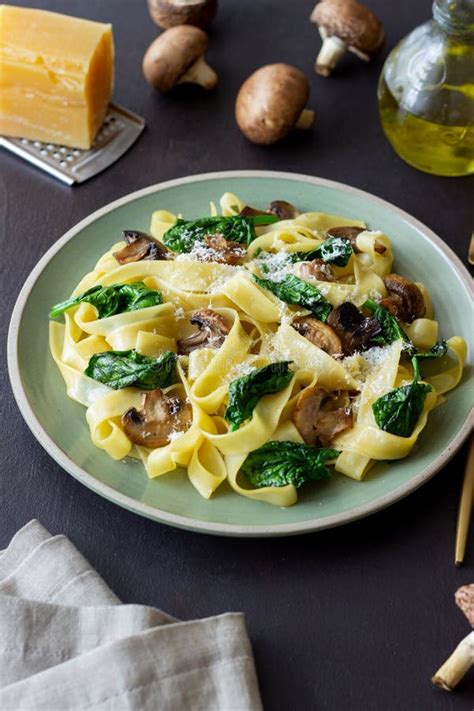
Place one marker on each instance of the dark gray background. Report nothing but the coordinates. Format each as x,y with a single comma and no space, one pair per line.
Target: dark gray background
354,618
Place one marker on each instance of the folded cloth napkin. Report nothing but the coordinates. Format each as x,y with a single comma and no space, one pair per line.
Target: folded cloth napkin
67,643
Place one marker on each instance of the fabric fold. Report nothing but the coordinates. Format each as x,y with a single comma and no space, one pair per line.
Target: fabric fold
67,643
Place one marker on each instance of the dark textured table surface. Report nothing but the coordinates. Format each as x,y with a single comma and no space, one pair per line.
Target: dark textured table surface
353,618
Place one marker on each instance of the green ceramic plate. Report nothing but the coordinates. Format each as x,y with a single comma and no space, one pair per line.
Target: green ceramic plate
60,425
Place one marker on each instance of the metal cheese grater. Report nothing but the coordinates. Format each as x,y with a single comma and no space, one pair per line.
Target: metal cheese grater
119,131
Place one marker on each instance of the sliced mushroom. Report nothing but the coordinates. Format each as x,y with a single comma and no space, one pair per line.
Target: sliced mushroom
221,250
350,234
141,246
282,209
212,331
405,300
354,330
271,102
177,57
317,268
319,334
249,211
345,25
321,414
160,417
168,13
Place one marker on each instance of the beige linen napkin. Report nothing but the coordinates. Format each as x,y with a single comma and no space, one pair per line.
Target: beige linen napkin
66,642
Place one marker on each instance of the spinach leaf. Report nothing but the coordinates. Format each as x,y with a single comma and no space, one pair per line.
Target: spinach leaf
391,329
280,463
115,299
437,351
334,250
294,290
123,369
245,392
398,411
238,228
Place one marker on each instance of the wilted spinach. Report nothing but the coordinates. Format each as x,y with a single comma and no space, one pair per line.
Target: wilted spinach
237,228
111,300
122,369
294,290
280,463
391,329
245,392
334,250
398,411
437,351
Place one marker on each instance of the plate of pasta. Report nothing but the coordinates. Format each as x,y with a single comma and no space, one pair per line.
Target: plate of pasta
246,353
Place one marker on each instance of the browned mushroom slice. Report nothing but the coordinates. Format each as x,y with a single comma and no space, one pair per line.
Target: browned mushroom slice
321,414
317,268
249,211
161,417
405,300
354,330
212,331
221,250
284,210
319,334
141,246
350,234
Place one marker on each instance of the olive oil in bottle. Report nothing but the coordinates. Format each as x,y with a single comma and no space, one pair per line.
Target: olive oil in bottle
426,92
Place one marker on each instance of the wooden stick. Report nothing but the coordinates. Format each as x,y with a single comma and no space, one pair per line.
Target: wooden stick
465,507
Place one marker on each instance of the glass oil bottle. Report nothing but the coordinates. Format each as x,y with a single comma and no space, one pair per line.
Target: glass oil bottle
426,92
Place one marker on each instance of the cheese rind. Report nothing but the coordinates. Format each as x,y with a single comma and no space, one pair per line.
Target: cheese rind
56,76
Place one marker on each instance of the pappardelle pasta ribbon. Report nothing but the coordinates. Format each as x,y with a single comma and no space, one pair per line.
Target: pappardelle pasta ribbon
254,349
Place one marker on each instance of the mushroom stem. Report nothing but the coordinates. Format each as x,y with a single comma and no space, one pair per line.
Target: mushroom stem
330,53
199,73
454,668
305,119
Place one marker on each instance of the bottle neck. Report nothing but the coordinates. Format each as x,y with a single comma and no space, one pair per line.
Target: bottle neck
455,16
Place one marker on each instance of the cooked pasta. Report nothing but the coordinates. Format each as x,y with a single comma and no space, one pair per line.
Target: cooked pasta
253,347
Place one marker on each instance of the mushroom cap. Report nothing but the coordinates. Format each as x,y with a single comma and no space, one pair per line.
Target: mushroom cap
140,246
161,415
317,268
270,101
211,332
320,414
169,13
352,22
171,54
405,299
319,334
283,209
355,332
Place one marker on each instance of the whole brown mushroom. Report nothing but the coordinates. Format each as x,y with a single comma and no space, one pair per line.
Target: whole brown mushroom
345,25
177,57
271,102
169,13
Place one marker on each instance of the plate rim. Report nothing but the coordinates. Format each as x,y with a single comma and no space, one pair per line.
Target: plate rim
184,522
